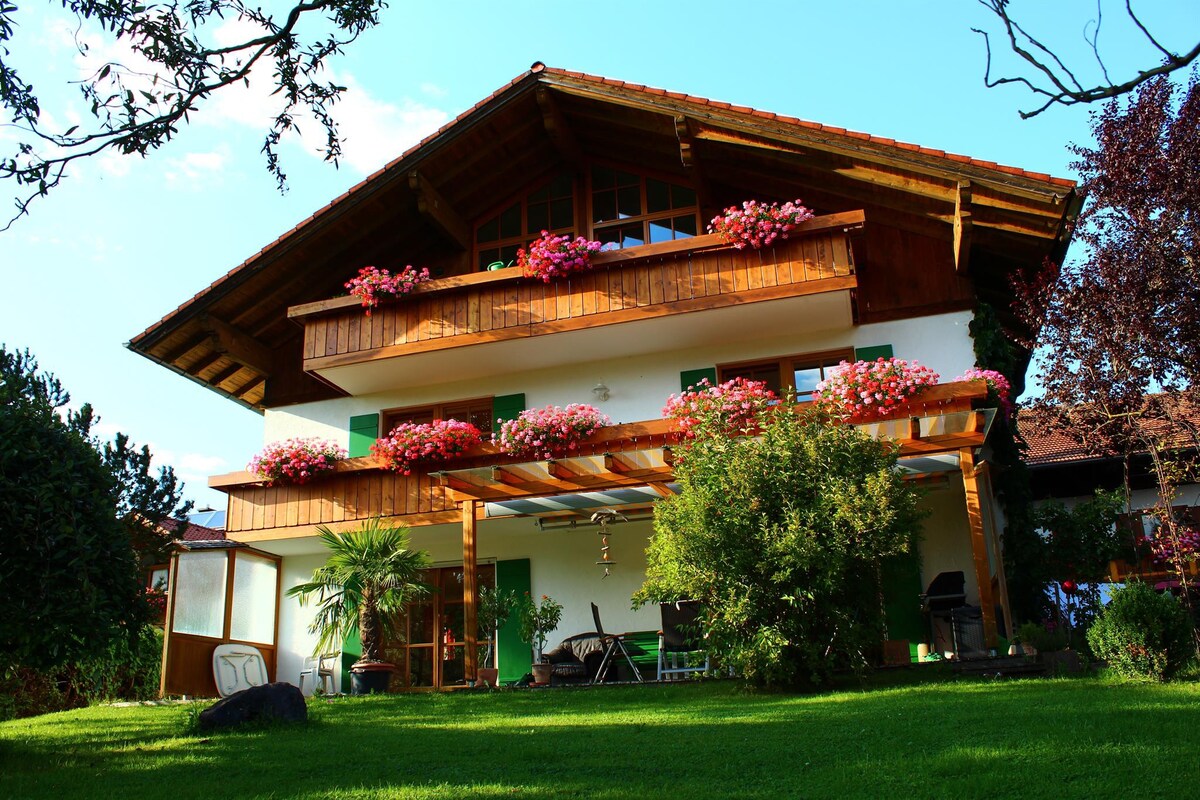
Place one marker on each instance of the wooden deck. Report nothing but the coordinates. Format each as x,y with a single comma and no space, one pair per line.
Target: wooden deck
626,285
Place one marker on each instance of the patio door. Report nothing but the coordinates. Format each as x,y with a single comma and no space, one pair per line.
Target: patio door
432,651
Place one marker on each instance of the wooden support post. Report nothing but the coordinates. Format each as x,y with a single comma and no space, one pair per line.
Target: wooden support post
168,623
470,593
979,549
962,227
993,532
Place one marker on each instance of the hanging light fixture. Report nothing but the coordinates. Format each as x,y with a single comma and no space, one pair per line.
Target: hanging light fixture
601,391
602,518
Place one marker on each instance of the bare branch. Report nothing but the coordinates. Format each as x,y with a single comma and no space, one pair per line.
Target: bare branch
138,110
1056,83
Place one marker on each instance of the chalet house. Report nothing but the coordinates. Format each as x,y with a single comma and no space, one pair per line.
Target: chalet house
905,243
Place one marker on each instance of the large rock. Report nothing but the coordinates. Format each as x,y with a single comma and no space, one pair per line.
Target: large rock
271,702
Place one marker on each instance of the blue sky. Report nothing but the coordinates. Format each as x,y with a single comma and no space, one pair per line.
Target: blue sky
124,241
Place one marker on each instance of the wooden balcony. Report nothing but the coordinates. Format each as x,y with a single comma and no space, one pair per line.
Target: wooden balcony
360,488
641,283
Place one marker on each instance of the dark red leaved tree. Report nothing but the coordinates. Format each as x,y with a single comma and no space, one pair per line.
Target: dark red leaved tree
1119,344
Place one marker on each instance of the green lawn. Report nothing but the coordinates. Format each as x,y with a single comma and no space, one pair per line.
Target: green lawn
1082,738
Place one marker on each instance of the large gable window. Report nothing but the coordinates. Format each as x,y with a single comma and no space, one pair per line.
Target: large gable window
550,207
630,209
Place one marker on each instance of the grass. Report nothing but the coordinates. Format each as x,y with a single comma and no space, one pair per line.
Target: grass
1059,738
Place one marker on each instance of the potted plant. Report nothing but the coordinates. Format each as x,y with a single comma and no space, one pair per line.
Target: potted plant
553,256
870,390
363,587
410,444
494,608
551,431
373,282
536,621
295,460
758,224
735,405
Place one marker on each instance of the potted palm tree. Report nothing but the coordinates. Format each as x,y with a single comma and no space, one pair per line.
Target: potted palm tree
363,587
494,609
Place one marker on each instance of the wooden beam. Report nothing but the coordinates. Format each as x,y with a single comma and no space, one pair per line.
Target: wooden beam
176,353
239,346
249,386
979,548
689,157
557,127
433,207
962,227
470,593
225,374
661,489
204,362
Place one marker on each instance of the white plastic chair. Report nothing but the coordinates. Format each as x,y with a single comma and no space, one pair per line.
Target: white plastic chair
321,670
237,667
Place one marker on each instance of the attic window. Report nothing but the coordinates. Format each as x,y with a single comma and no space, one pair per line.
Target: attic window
629,209
549,207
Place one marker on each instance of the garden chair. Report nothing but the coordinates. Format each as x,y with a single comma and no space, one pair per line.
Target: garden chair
678,639
612,643
321,670
237,667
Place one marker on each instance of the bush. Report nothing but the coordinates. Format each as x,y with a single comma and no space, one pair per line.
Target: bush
127,670
1143,635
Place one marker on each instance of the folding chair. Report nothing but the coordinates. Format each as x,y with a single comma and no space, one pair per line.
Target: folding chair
321,670
612,642
237,667
678,638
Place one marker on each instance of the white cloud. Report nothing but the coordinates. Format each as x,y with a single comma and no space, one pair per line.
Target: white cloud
433,90
198,170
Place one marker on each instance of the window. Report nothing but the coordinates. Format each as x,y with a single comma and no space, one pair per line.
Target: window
550,207
629,209
800,372
477,412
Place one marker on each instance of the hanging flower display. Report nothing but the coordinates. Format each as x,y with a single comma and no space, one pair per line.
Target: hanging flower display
1167,552
551,431
372,283
552,256
868,390
409,444
295,460
736,404
998,385
758,224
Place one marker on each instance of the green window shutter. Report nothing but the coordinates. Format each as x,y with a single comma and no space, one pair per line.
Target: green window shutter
690,377
901,589
351,653
872,353
506,407
364,430
513,656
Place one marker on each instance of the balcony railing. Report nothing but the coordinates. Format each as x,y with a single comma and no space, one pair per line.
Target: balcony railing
360,489
626,285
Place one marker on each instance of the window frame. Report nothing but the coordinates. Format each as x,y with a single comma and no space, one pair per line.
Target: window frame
389,418
521,198
645,217
788,364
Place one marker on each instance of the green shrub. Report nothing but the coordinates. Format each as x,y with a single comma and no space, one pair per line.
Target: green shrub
127,670
1143,635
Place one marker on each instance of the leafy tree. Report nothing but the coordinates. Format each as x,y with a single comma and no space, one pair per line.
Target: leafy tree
779,537
176,59
1119,333
1077,545
67,563
1053,81
363,586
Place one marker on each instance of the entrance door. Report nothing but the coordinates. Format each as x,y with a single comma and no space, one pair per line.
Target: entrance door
432,651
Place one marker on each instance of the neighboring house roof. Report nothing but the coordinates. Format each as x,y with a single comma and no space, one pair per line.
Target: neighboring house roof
234,334
185,531
1049,444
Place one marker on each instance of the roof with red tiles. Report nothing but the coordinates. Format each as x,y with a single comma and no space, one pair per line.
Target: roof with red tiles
186,531
534,75
1053,445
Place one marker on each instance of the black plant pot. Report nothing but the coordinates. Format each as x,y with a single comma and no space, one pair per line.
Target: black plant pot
370,678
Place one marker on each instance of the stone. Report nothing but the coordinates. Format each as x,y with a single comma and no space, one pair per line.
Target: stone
271,702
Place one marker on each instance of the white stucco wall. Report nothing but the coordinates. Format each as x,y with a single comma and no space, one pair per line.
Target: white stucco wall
639,385
946,537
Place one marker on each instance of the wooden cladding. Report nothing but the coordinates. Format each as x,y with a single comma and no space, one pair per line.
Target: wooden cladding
345,498
640,283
